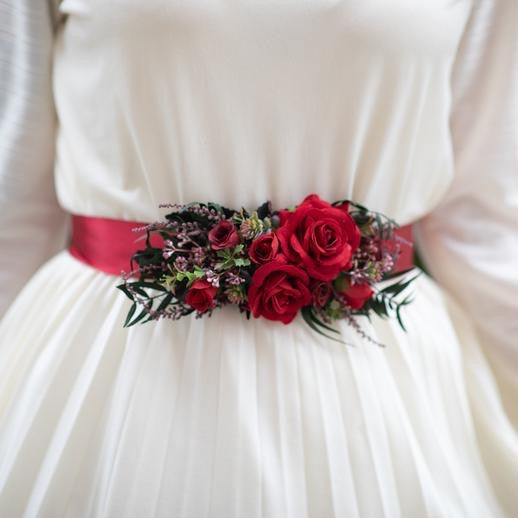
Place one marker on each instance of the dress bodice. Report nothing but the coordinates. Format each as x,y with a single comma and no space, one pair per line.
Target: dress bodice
239,102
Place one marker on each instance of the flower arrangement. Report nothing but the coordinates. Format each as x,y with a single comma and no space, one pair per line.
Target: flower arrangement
320,259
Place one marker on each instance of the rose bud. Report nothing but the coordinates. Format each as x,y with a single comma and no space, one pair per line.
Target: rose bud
321,293
201,295
356,294
223,235
264,248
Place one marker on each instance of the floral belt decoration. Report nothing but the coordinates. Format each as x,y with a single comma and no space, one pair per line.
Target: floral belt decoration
320,259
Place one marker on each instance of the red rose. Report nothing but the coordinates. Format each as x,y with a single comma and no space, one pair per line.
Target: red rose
321,293
223,235
357,294
319,237
201,295
278,290
264,248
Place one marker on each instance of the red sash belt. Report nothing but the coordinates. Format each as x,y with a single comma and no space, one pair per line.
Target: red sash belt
108,244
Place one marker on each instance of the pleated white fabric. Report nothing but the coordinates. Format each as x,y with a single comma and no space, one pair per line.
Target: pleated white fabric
236,418
410,108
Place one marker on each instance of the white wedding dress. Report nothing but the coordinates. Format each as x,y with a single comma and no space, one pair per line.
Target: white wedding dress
409,107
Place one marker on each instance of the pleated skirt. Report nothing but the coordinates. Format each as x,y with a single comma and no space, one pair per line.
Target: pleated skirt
226,417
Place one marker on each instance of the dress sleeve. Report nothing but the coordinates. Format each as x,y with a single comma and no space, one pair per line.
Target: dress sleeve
469,243
33,225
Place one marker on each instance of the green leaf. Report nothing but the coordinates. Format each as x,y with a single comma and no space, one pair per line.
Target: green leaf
152,285
190,276
405,302
165,301
379,307
141,315
124,290
306,316
242,262
139,290
319,322
308,320
398,316
351,203
131,312
398,287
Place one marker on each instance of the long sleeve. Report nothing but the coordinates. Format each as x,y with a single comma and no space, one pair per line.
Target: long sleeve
470,242
33,225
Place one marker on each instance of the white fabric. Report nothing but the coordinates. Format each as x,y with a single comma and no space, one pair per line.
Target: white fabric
33,225
409,107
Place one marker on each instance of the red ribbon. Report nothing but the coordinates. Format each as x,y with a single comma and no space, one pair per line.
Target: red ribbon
405,259
108,244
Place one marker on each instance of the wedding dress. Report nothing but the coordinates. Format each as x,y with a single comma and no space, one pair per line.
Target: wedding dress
111,107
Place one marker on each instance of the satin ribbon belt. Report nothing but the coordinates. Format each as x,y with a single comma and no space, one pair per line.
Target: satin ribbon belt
108,244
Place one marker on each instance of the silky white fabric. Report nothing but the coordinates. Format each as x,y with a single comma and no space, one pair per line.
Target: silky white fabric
409,107
33,225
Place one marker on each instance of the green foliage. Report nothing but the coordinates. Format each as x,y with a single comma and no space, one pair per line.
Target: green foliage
232,257
385,303
310,317
198,273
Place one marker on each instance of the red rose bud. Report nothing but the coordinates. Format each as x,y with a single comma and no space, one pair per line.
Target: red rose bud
223,235
264,248
201,295
278,290
319,237
356,294
321,293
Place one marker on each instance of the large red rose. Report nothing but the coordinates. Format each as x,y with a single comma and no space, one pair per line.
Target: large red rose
278,290
319,237
264,248
223,235
357,294
201,295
